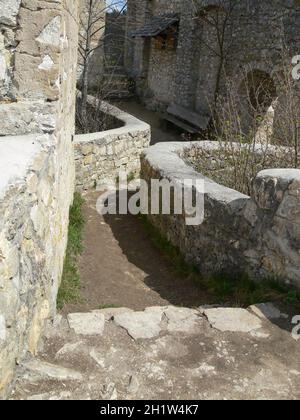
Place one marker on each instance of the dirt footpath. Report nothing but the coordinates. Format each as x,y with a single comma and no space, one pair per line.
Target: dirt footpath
120,266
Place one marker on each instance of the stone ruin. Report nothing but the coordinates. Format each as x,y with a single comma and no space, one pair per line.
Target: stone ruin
172,51
38,56
38,71
97,12
258,235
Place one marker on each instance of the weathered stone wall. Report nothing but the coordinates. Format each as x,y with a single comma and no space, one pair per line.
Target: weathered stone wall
161,76
258,235
37,170
8,25
114,42
99,157
27,247
97,14
256,33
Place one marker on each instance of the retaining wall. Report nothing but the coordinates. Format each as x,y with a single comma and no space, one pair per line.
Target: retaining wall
100,156
258,235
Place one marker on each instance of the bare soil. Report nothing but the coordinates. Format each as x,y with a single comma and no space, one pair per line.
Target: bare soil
121,267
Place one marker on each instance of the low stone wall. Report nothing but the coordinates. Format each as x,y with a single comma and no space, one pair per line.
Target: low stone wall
100,156
29,259
258,235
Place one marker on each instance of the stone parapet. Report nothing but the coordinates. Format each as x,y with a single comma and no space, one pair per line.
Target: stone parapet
258,235
99,157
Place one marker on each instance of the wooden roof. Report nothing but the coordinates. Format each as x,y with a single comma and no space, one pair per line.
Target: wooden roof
156,26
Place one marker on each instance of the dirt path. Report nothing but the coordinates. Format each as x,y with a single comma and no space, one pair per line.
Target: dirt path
158,134
120,266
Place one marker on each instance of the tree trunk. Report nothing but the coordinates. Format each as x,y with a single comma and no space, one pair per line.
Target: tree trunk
84,90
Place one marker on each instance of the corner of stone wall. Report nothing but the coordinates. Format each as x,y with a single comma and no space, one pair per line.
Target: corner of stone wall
277,195
99,157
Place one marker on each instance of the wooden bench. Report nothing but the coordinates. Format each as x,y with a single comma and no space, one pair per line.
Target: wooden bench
189,121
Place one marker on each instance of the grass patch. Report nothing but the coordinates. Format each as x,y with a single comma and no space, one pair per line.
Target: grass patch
224,289
109,306
130,177
69,291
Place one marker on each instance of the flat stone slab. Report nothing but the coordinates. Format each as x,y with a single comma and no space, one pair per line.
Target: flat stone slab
140,325
267,311
87,323
48,370
175,364
232,320
182,320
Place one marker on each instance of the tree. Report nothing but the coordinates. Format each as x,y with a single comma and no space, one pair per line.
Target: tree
218,17
91,38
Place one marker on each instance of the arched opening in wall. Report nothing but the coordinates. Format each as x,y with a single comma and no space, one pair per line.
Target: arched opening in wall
259,90
258,100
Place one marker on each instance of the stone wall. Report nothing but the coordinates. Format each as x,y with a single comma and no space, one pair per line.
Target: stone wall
255,35
114,42
27,247
99,157
97,14
161,76
37,104
257,235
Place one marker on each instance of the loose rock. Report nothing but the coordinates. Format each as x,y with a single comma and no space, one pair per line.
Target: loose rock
48,370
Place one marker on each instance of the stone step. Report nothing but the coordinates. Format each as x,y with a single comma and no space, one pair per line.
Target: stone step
165,352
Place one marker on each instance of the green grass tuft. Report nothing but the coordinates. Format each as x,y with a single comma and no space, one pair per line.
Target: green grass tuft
109,306
69,291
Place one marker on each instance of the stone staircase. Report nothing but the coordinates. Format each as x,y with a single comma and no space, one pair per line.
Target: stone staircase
164,353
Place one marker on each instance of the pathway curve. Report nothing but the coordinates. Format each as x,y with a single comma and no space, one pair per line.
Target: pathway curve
159,341
154,119
120,266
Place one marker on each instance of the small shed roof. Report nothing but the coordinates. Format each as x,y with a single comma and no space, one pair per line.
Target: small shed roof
156,25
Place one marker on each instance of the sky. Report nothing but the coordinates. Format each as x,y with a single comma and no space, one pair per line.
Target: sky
116,3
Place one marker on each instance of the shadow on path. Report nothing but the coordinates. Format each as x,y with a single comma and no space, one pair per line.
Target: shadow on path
158,134
120,266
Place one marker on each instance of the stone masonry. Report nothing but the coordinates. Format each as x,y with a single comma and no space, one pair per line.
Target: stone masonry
256,235
187,75
99,157
97,13
38,55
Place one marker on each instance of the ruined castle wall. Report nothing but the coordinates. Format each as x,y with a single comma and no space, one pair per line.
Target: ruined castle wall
256,34
8,26
37,168
97,14
114,41
99,157
162,63
257,235
161,76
